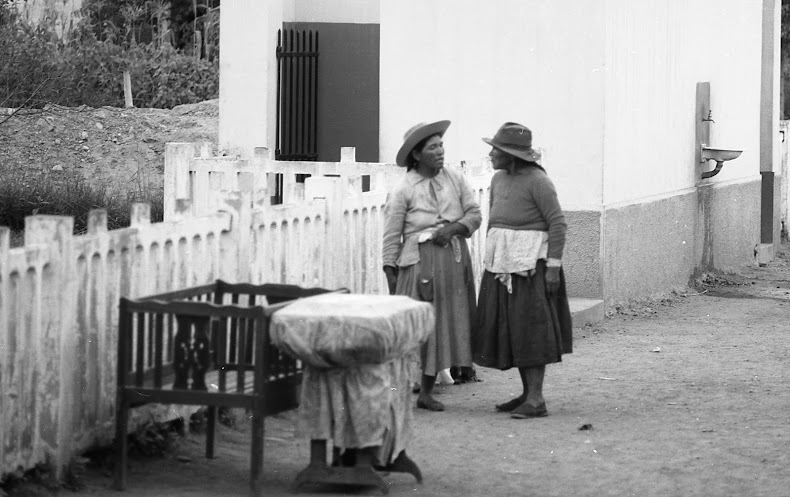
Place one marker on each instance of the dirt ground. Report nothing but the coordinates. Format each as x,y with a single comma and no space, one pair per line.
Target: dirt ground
681,396
111,145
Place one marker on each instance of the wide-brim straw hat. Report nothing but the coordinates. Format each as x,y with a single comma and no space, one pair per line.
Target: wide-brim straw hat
417,133
515,139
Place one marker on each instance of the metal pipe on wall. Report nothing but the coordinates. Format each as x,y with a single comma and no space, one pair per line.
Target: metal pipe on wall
768,117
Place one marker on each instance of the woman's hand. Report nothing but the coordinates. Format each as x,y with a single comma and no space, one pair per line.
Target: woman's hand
552,279
392,278
443,235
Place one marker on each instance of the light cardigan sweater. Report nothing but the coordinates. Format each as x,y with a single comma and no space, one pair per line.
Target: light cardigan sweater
411,210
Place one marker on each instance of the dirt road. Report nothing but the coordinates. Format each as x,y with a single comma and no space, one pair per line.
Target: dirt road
685,396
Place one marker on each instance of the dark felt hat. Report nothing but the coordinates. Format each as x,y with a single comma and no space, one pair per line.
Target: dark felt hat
515,139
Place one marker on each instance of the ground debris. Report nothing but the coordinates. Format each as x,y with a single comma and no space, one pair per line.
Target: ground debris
713,280
643,307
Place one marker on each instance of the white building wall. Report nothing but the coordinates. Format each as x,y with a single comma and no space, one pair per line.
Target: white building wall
656,52
479,64
348,11
607,86
248,74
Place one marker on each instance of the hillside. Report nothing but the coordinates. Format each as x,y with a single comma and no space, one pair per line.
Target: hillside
112,145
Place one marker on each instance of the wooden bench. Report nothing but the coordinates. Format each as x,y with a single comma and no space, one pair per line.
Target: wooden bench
209,346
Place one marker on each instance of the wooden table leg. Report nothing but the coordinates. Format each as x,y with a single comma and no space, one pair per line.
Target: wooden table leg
317,467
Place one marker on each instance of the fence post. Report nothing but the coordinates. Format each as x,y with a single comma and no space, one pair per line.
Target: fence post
57,373
330,189
235,243
289,188
246,188
200,186
176,178
127,90
348,154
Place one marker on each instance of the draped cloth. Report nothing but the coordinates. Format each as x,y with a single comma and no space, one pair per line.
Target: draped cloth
359,352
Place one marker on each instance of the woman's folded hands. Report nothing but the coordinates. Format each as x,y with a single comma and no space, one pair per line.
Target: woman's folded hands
443,235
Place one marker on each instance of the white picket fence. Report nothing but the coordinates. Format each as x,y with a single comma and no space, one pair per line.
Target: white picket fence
353,221
59,292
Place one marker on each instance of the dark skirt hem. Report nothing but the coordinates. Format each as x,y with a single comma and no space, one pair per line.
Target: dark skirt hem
526,328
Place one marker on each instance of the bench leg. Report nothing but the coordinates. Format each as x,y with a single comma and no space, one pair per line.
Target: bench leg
256,457
211,431
121,445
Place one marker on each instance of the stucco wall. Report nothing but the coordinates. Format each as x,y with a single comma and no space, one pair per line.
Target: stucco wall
582,257
648,247
734,223
608,82
480,64
248,74
659,244
656,52
341,11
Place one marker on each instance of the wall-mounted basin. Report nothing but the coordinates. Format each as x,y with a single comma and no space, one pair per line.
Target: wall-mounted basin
720,155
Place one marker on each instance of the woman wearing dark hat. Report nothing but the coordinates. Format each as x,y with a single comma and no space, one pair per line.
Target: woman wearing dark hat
523,317
428,217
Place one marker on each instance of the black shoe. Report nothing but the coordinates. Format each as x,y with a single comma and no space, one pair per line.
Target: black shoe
464,374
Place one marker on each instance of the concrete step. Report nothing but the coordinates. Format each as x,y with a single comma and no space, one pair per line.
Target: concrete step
586,311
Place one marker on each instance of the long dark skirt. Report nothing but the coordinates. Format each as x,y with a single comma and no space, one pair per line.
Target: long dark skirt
453,302
525,328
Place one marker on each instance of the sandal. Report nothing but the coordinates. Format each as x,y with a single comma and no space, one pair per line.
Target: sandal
511,404
430,404
525,411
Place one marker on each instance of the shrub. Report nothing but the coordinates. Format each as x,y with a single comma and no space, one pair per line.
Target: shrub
24,193
38,68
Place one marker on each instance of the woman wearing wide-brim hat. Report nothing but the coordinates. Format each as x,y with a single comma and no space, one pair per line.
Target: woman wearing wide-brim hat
523,317
428,216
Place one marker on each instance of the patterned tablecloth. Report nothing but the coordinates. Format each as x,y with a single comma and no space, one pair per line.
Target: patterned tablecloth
359,352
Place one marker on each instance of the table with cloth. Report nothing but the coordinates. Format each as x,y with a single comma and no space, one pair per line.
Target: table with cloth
359,353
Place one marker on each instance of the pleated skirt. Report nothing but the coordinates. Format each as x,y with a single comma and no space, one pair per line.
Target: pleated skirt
525,328
454,305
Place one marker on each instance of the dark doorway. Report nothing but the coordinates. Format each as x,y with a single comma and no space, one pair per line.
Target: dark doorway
348,89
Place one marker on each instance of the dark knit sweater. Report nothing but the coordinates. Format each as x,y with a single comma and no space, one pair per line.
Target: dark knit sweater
527,200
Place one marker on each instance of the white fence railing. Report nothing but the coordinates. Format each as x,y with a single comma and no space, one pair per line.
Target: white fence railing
203,180
59,292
